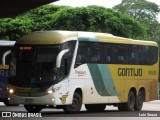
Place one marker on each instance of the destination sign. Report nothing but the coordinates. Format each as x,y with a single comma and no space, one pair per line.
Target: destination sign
25,48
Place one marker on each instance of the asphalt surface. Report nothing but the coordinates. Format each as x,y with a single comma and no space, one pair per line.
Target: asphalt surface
150,111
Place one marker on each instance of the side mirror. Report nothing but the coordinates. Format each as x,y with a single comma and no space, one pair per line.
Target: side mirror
4,57
59,57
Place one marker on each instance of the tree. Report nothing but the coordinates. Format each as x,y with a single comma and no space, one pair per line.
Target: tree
14,28
139,9
145,12
91,18
95,18
34,20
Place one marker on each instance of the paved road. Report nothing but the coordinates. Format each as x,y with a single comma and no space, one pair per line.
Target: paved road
149,108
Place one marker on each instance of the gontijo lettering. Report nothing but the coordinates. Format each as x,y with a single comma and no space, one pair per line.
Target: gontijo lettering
129,72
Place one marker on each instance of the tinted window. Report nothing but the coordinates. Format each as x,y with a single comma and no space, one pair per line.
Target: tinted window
112,53
67,58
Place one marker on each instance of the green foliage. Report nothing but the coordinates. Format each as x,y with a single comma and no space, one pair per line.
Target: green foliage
34,20
99,19
145,12
13,28
139,9
91,18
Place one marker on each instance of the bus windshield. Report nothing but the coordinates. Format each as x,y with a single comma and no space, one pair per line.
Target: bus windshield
33,65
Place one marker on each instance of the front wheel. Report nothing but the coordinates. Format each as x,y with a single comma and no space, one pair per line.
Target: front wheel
33,108
8,104
75,106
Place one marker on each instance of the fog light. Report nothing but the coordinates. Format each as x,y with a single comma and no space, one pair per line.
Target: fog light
49,91
52,99
11,91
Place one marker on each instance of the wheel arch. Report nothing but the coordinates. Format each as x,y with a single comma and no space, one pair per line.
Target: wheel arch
79,91
133,89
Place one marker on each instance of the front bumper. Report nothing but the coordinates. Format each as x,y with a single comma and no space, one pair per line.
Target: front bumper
43,100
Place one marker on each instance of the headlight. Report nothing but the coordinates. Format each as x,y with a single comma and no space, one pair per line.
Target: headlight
53,90
56,89
49,91
11,91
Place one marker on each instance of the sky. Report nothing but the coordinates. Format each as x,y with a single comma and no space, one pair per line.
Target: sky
105,3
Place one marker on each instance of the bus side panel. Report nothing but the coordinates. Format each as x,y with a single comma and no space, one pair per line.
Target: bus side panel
3,82
104,84
80,77
135,76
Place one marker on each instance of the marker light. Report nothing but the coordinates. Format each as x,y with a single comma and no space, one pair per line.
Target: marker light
11,91
49,91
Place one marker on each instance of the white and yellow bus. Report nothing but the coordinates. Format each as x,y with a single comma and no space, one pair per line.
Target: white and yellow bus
5,56
65,69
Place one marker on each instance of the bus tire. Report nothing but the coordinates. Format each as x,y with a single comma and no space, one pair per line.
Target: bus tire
129,106
139,101
33,108
8,104
95,107
76,104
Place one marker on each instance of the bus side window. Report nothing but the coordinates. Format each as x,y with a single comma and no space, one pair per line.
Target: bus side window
121,54
144,55
67,58
95,52
82,53
153,54
134,55
107,53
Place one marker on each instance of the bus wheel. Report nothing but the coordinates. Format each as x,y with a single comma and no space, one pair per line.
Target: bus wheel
139,101
8,104
129,106
75,106
33,108
95,107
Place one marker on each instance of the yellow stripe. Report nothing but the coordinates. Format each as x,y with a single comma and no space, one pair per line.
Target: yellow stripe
4,66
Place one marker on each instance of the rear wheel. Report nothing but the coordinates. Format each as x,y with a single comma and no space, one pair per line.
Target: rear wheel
33,108
139,101
75,106
95,107
129,106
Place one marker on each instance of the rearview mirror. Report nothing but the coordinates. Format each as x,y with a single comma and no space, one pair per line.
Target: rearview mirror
59,57
4,57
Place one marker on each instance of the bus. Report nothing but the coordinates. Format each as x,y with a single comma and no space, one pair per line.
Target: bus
5,55
66,69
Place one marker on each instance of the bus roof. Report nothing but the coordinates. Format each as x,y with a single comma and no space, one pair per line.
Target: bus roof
7,43
57,37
